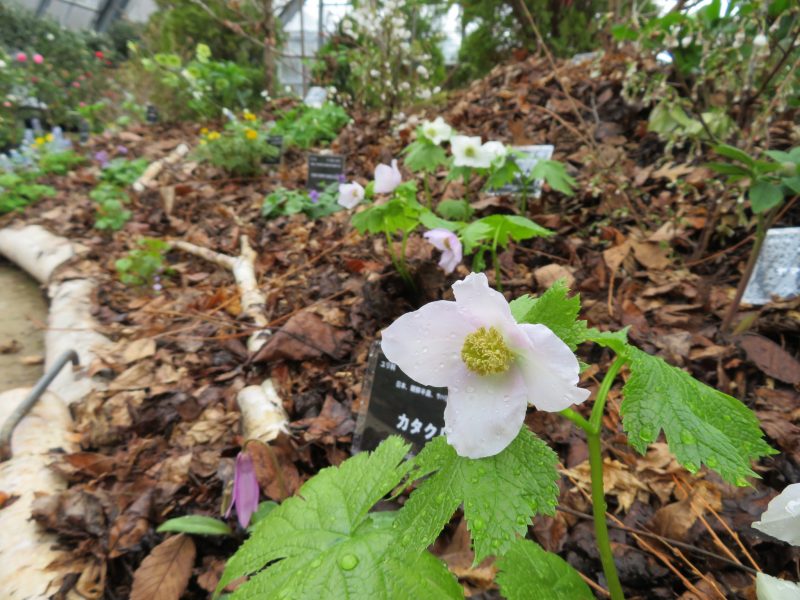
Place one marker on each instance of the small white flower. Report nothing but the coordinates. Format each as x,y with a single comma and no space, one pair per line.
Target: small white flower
760,41
467,152
782,517
50,37
492,366
350,194
495,150
404,86
387,178
422,71
772,588
424,94
374,73
2,64
228,114
437,131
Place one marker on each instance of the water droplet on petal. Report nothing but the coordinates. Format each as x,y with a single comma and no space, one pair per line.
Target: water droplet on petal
348,562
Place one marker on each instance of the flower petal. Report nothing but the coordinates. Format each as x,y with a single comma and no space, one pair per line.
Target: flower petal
483,414
782,518
772,588
482,305
426,344
550,370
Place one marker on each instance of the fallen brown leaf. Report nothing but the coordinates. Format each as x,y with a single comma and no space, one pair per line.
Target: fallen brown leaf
164,573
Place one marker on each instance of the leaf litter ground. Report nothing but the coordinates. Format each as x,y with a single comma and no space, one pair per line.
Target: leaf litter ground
638,242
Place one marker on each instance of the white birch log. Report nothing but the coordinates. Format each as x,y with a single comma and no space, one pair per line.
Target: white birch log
244,273
154,169
263,416
26,551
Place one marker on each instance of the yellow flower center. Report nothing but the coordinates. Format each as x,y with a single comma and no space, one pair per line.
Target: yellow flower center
251,134
485,352
469,151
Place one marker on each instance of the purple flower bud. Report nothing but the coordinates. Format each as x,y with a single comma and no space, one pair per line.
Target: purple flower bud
102,158
122,150
342,178
158,287
313,196
245,490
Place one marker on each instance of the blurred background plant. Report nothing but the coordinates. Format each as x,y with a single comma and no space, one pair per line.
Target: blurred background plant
241,148
715,74
384,54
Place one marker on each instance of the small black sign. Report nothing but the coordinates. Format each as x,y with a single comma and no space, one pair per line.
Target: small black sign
277,141
152,114
83,131
394,404
324,169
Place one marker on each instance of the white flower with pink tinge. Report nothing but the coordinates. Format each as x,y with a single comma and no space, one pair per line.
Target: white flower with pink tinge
387,178
492,366
350,194
449,244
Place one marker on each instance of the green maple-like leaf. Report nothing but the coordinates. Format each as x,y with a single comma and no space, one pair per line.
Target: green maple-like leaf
323,543
528,572
556,310
423,155
702,425
500,493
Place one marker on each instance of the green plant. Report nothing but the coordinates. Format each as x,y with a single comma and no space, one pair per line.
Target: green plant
121,172
201,87
313,204
493,232
18,190
110,211
240,149
59,163
142,265
306,126
329,541
730,69
71,71
384,55
401,214
91,113
767,183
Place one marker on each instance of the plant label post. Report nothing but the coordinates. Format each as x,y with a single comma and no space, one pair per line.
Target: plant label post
777,270
83,131
324,169
394,404
531,156
277,141
152,114
315,97
37,125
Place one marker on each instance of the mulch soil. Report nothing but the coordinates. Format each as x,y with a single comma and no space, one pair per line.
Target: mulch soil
652,242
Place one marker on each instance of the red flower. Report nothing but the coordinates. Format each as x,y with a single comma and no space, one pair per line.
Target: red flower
99,54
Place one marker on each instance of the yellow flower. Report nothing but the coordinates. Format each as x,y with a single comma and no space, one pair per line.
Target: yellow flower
204,131
214,135
203,142
248,116
49,137
39,141
251,134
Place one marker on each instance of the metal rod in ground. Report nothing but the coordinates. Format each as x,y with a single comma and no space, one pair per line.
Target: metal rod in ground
25,406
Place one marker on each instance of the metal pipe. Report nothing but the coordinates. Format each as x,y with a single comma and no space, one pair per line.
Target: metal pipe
25,406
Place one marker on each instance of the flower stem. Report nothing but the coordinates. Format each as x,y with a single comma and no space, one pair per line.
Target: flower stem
427,187
599,514
592,428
